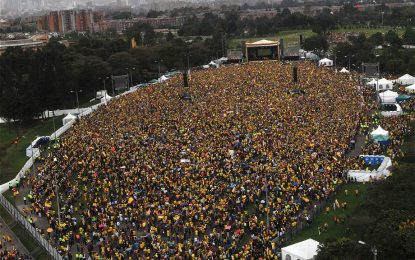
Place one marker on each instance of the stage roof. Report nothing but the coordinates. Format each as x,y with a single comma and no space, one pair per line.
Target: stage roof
262,43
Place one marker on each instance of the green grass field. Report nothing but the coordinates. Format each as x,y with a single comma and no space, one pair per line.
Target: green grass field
292,36
335,230
13,156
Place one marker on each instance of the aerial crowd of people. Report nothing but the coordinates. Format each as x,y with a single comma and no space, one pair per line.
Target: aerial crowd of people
224,175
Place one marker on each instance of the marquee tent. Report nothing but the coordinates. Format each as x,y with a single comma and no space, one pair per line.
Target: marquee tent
305,250
105,98
383,84
397,112
406,80
388,96
380,135
371,83
344,70
410,89
68,118
325,62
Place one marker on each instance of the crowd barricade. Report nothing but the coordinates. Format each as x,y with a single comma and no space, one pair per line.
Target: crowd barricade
29,228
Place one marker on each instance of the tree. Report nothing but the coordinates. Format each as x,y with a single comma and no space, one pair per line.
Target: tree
343,249
376,38
120,61
393,39
409,36
317,42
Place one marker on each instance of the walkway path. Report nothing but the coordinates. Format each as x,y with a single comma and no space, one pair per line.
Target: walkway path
9,240
357,150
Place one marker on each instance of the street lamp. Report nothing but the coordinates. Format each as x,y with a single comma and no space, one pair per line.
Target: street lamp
104,79
188,61
373,249
158,61
77,99
57,194
130,72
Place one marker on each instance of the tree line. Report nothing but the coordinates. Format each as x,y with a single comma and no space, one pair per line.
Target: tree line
34,81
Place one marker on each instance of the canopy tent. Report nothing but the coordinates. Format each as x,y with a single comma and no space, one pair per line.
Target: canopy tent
105,98
213,65
402,98
68,118
344,70
163,78
379,135
305,250
396,112
371,83
325,62
406,80
410,89
388,96
311,56
383,84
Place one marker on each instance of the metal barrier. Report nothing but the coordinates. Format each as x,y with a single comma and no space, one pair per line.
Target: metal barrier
29,228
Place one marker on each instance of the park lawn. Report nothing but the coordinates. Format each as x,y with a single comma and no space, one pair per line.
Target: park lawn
335,230
371,31
13,156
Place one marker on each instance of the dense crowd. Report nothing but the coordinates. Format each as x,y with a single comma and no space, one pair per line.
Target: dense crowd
152,175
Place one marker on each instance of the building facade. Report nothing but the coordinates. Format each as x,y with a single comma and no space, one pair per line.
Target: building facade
66,21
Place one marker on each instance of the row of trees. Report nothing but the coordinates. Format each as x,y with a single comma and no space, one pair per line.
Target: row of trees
386,49
32,82
232,23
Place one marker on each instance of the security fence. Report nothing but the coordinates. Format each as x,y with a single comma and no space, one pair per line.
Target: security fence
29,228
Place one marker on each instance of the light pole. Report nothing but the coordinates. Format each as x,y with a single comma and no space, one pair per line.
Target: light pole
188,61
77,99
382,13
130,74
57,195
373,249
158,61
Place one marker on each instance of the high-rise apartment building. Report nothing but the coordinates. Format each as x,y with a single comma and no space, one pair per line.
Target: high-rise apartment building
69,21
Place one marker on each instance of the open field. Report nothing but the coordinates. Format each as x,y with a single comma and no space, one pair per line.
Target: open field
13,156
340,229
292,36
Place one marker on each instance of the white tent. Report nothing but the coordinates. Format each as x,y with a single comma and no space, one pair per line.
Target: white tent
105,98
213,64
410,89
163,78
325,62
379,133
371,83
397,112
388,96
305,250
406,80
383,84
344,70
68,118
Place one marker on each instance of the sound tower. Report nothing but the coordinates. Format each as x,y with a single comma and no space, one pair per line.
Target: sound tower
282,48
301,41
295,73
186,93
